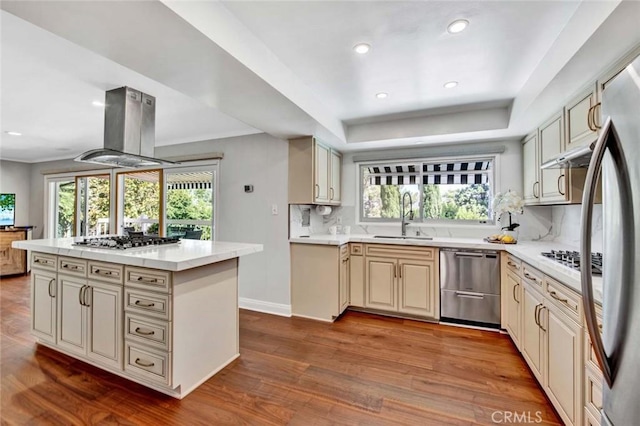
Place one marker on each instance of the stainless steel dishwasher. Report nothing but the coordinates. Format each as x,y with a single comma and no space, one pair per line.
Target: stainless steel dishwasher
470,287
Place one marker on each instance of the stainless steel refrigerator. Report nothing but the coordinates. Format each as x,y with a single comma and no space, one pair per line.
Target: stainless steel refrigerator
617,154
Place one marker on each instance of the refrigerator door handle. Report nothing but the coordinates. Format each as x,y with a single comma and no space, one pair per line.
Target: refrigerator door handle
607,137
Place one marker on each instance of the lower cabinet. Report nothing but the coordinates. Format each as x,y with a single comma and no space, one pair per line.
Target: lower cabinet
532,331
320,277
356,275
403,281
563,360
43,305
90,319
513,311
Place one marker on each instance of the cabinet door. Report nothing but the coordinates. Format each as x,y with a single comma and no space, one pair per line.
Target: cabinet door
356,281
72,333
105,323
552,181
530,169
321,181
417,287
577,116
381,283
513,311
336,170
43,305
563,372
344,283
531,332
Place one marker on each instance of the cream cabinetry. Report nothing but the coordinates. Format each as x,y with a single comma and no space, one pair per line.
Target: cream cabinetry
580,117
553,181
320,278
403,280
356,275
314,172
121,318
551,339
531,169
89,314
43,304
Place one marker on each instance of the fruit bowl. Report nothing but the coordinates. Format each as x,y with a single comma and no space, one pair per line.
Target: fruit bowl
501,239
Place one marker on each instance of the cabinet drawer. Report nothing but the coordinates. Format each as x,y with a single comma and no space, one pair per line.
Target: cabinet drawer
356,248
405,252
148,363
532,276
108,272
589,354
593,391
344,250
148,331
44,261
152,304
148,279
590,419
514,265
72,266
565,299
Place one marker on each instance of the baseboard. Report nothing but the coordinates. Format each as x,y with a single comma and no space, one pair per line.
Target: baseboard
266,307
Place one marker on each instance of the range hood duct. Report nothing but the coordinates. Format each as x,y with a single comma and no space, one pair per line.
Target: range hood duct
129,131
574,158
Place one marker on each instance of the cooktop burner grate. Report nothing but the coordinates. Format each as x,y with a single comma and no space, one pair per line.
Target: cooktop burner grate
125,242
571,259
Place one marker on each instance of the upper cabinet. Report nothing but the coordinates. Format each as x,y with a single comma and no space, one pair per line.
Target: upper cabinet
314,172
531,169
580,116
553,182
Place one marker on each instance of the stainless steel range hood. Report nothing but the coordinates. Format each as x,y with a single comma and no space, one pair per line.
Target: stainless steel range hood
129,131
574,158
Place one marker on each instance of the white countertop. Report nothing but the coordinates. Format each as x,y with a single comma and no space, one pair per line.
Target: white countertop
173,257
528,251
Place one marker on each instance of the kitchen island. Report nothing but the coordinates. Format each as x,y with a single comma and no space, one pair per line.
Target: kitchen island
163,316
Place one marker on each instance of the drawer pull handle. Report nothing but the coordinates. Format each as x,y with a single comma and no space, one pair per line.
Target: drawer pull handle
145,333
513,265
46,262
470,294
558,298
531,278
148,280
101,272
144,364
72,267
144,305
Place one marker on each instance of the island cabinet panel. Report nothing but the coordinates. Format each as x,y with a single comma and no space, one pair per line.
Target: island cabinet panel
72,332
104,305
43,305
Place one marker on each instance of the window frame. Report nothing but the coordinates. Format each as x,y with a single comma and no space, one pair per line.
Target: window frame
493,174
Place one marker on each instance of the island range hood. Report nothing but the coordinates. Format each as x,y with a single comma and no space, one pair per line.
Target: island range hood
575,158
129,131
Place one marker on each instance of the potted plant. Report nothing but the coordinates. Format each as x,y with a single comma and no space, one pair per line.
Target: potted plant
510,203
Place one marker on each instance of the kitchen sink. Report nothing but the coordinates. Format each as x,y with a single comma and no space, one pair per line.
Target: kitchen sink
398,237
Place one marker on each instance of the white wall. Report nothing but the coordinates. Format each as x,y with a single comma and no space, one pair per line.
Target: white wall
262,161
16,178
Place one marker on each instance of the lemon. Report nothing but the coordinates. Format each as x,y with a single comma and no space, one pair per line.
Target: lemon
508,239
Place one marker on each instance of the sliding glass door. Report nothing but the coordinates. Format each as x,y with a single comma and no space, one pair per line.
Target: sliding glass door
61,207
139,202
190,200
93,205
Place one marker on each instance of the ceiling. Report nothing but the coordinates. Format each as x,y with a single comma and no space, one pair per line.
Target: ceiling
222,69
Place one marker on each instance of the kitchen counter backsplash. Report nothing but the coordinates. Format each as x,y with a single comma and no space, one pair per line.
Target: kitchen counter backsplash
541,223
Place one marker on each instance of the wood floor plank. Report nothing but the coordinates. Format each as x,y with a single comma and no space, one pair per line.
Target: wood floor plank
361,370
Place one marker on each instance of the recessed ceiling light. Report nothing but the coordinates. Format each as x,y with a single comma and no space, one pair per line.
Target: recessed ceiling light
14,133
450,84
457,26
382,95
362,48
97,103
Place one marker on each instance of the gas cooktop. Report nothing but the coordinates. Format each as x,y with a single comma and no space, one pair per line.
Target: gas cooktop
571,259
125,242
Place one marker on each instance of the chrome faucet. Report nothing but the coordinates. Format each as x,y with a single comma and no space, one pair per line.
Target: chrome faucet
404,214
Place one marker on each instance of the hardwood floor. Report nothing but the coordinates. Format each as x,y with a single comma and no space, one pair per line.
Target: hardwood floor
361,370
